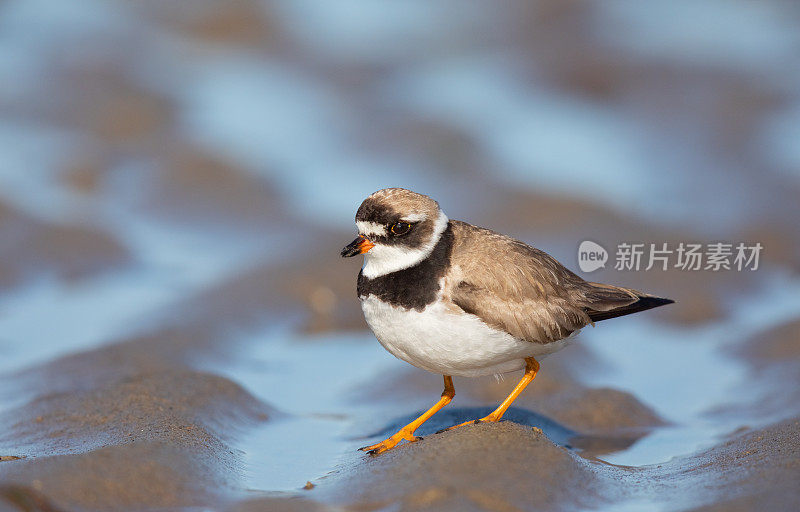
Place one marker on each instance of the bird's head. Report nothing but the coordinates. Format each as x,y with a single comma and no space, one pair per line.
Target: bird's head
397,228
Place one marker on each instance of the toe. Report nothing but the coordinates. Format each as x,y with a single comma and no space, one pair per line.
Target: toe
388,444
372,447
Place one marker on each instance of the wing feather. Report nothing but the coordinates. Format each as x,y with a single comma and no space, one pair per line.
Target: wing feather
526,292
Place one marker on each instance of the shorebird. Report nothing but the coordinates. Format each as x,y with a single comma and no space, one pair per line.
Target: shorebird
457,299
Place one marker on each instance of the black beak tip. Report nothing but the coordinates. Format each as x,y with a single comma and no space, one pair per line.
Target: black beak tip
350,251
353,248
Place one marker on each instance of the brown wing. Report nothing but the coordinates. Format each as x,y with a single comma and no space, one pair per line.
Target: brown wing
527,293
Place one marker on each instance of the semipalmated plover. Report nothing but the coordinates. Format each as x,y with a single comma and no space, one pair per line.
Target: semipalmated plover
457,299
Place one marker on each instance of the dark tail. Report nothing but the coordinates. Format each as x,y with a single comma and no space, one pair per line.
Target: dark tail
604,301
643,304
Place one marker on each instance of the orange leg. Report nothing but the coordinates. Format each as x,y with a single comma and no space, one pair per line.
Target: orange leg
407,432
531,368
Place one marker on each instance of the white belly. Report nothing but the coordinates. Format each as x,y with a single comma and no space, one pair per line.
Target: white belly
448,343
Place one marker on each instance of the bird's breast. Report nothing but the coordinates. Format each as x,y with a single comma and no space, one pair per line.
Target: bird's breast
439,339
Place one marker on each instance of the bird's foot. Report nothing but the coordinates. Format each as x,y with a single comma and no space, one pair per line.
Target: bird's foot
492,418
402,435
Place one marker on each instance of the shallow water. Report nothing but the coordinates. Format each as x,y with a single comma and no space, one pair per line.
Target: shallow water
685,373
319,425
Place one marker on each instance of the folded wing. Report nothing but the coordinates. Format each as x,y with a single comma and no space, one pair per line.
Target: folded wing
527,293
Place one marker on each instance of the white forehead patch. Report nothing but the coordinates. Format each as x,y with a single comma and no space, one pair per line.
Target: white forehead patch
367,228
414,217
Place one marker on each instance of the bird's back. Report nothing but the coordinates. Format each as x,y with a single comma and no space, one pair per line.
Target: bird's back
526,292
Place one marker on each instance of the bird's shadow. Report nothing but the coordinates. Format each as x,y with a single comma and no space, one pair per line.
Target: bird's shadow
561,435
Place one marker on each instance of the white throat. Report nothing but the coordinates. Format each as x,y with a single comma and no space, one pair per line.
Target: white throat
385,259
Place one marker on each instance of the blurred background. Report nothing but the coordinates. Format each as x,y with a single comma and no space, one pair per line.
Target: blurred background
177,178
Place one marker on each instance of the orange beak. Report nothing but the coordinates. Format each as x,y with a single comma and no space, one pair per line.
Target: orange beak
358,246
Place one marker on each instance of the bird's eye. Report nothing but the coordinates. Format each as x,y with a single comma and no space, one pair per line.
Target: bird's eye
400,228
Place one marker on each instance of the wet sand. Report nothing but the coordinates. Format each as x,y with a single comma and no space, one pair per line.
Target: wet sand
141,424
125,427
145,422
